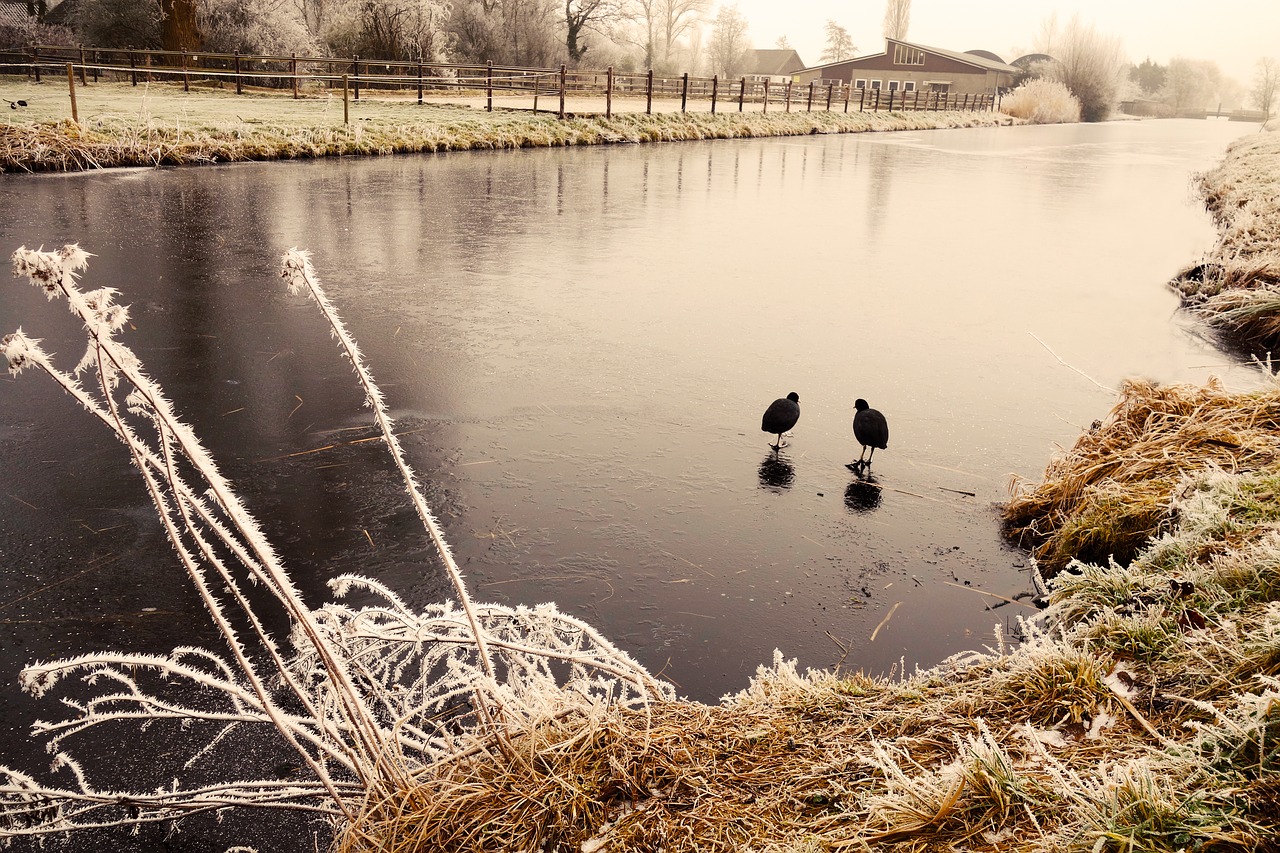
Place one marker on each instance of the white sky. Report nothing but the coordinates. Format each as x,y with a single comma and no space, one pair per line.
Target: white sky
1233,33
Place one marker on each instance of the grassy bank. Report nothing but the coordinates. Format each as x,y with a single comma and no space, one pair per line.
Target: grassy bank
122,125
1237,287
1137,712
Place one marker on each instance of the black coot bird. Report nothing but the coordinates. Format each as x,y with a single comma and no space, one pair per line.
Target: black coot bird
781,416
870,429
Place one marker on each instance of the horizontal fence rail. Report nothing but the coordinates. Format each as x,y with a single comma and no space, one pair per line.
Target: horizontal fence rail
301,75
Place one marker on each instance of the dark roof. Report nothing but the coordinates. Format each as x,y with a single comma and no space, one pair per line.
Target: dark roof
774,62
985,54
1025,62
971,58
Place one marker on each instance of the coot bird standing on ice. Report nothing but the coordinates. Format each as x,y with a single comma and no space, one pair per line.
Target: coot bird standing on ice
870,429
781,416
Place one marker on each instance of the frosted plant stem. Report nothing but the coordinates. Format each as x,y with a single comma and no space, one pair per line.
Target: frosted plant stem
201,583
297,270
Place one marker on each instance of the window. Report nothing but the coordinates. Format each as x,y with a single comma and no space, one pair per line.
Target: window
893,85
906,55
944,88
859,84
876,84
909,86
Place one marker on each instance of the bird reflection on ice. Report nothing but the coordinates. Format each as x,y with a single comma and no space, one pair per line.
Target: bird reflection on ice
776,473
862,495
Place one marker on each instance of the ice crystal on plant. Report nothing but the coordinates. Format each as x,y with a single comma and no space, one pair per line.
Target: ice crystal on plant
369,699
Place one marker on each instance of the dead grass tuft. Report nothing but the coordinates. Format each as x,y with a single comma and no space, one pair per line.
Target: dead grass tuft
1111,492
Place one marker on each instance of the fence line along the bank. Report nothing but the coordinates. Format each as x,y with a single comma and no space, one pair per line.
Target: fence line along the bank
353,75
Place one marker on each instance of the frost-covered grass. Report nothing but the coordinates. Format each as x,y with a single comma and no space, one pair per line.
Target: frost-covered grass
1236,288
1042,101
122,125
1139,711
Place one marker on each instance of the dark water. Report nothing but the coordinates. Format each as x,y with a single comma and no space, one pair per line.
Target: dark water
579,345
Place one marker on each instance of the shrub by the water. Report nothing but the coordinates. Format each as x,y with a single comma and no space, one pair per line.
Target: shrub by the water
1042,101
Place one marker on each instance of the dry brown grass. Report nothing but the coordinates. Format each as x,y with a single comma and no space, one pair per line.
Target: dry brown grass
1237,287
1111,492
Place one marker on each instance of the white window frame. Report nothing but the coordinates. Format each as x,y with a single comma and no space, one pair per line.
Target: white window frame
860,83
909,86
895,85
877,85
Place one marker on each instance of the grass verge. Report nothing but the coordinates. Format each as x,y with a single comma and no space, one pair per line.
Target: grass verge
154,125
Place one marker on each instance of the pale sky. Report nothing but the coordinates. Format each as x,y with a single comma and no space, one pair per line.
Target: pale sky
1233,33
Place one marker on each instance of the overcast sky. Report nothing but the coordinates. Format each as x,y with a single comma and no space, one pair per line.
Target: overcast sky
1233,33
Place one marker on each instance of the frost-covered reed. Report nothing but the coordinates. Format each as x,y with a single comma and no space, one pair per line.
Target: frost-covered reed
1042,101
370,699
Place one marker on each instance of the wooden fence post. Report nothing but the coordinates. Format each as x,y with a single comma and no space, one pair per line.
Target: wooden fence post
488,86
133,67
742,94
715,90
809,106
35,61
419,81
830,89
766,95
148,67
848,93
97,60
684,91
608,94
71,84
346,107
788,96
648,102
83,81
355,74
186,80
293,72
562,85
239,82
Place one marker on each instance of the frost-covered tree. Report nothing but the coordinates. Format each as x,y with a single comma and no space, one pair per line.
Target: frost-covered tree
897,17
274,27
509,32
1265,82
727,48
1087,62
1190,83
839,43
118,23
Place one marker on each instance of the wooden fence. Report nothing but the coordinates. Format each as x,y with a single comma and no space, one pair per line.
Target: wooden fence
302,74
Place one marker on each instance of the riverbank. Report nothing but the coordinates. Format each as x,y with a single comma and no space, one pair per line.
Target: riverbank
1136,712
155,125
1236,288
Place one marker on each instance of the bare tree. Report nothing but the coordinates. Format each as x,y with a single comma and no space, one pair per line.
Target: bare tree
1088,63
678,18
727,48
580,16
1265,82
839,43
783,43
1190,83
897,17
